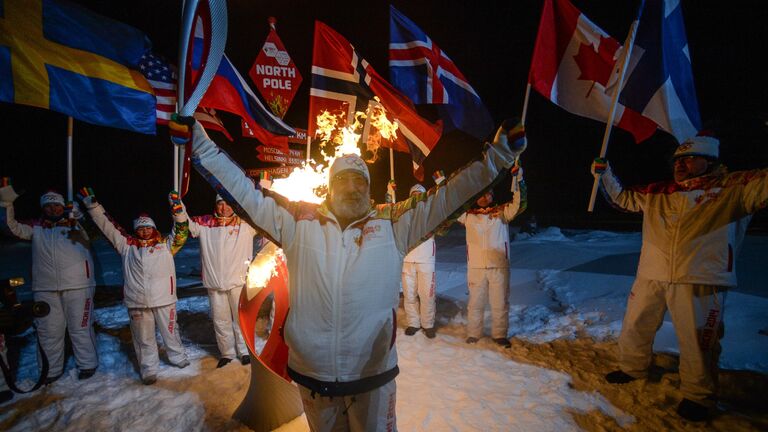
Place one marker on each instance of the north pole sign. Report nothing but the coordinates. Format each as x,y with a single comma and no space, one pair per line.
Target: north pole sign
275,75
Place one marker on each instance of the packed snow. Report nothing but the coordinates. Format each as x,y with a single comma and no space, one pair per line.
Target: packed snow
568,293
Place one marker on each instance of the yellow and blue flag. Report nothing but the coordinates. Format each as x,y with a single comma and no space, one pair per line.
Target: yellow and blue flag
59,56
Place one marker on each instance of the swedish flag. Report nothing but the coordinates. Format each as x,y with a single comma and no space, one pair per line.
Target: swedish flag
60,56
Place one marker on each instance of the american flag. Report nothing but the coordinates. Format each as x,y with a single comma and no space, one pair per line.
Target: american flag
161,75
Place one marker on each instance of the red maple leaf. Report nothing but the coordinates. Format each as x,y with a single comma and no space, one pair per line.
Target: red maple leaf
597,65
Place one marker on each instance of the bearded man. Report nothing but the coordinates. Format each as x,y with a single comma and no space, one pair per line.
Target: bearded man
344,259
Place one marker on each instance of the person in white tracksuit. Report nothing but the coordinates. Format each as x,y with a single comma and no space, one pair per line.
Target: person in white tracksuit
693,227
62,276
226,249
419,283
149,286
488,263
344,259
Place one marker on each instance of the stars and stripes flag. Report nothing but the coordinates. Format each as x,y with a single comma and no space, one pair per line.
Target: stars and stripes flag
161,75
344,82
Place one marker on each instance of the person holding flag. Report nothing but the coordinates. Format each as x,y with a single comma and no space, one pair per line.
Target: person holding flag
693,227
341,325
488,260
62,276
226,249
149,275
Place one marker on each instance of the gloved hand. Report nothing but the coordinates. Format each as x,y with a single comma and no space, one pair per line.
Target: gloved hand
511,133
181,128
7,194
391,188
87,197
73,208
438,176
177,208
599,166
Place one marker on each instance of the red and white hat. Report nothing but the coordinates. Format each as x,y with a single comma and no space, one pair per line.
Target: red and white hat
706,146
349,162
51,197
143,221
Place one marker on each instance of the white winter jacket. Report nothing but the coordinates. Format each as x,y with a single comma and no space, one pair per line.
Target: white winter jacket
423,253
344,284
692,231
149,274
226,249
61,258
488,233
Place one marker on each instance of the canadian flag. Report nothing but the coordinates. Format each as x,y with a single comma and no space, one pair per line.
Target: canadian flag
575,65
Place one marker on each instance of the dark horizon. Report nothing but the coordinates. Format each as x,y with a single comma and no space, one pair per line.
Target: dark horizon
491,44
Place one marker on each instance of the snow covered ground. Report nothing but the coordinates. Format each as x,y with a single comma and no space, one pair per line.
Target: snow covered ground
568,295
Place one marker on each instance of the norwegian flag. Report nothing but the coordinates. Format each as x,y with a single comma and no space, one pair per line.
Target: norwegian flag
161,76
425,73
342,81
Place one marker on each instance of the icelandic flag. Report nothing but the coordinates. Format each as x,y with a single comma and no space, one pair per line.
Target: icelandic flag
229,92
425,73
57,55
575,65
660,84
344,82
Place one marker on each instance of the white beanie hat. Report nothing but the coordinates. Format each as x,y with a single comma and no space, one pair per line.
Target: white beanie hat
143,221
218,198
417,188
705,146
349,162
51,197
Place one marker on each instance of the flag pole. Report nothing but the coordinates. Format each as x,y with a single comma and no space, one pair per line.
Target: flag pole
392,173
522,122
69,158
629,44
179,95
525,104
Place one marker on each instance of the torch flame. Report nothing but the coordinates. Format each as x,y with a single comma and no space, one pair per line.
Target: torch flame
262,268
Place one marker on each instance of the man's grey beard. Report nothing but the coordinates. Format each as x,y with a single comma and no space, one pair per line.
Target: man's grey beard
345,210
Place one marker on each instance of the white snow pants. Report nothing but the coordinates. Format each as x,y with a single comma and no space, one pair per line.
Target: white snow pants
419,294
4,355
697,314
143,322
367,412
485,284
226,323
71,312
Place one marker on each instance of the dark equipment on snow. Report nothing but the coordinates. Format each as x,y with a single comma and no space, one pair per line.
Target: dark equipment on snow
15,318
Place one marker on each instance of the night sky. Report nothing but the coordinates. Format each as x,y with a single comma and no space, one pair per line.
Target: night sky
491,42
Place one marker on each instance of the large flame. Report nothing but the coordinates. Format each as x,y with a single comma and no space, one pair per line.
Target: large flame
309,182
386,129
262,268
